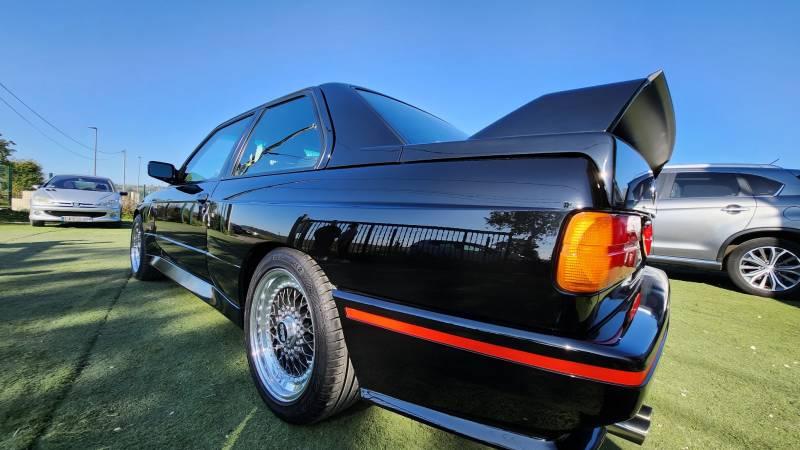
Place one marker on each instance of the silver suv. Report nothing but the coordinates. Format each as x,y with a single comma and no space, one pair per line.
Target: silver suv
741,218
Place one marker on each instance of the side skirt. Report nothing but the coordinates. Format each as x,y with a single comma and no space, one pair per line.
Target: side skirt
686,262
199,287
588,439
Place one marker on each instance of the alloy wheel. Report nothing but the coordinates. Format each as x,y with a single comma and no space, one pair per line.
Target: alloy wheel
773,269
282,335
136,247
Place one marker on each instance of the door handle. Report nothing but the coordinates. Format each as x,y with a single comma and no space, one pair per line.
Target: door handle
734,209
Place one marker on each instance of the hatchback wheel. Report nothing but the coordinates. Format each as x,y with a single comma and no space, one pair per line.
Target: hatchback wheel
769,267
295,346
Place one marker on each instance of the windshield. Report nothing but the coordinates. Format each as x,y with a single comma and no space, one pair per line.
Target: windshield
81,183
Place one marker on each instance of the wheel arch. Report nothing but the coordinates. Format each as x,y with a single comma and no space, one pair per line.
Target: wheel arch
754,233
249,264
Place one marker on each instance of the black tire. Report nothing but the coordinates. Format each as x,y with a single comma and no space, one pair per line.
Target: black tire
37,223
145,272
332,386
735,257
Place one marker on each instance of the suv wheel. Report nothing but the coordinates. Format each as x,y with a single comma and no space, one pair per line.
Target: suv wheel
768,267
295,347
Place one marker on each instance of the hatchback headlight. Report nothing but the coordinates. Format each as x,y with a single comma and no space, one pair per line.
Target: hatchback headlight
42,200
110,203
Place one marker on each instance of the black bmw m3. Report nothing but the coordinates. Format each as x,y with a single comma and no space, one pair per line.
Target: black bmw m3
492,285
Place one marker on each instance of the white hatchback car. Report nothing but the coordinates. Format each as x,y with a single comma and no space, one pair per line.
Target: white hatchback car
76,198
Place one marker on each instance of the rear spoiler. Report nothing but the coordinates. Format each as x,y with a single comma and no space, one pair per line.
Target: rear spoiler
638,111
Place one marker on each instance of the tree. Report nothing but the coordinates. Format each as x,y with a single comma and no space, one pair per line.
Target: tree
5,150
526,227
26,173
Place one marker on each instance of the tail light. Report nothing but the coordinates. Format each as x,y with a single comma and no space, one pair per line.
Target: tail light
647,236
598,250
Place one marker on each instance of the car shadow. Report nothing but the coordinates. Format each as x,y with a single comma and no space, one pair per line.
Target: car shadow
716,278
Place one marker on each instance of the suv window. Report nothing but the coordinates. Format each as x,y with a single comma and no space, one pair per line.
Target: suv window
414,125
285,138
762,186
705,184
208,161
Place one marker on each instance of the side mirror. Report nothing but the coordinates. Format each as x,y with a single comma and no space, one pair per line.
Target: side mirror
162,171
123,193
36,186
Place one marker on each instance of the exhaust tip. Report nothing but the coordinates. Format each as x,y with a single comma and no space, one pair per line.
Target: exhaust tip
635,429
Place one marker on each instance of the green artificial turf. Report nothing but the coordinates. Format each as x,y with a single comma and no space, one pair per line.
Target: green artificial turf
91,359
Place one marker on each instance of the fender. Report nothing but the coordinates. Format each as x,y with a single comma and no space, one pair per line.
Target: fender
733,237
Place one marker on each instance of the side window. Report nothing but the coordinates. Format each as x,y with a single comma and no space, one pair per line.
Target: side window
762,186
286,138
705,184
207,163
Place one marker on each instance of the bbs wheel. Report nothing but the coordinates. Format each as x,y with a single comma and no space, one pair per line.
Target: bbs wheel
768,267
295,347
140,262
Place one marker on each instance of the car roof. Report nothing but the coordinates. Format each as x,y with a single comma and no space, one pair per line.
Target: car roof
79,175
721,166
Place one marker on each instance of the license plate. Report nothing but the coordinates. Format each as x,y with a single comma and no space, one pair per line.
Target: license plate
76,219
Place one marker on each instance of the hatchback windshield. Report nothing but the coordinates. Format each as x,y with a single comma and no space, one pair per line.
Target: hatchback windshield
80,183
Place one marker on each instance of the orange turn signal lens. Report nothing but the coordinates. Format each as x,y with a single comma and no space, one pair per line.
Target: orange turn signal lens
598,250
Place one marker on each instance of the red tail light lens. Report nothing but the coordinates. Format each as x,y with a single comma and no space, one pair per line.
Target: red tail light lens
598,250
647,236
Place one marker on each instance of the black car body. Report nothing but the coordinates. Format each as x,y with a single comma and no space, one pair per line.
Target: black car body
442,250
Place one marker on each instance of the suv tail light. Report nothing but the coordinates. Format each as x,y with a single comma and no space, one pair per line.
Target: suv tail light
647,236
598,250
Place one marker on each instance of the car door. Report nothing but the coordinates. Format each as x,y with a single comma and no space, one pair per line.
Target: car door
286,139
697,211
181,210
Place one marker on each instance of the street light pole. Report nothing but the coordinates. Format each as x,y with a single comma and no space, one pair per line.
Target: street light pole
124,163
94,166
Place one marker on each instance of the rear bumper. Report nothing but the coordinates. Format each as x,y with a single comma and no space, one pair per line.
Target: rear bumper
537,386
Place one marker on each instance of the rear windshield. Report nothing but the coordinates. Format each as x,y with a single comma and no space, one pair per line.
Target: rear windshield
633,179
414,125
81,183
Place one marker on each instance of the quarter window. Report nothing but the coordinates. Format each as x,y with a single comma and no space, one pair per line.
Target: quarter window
762,186
694,185
286,138
414,125
207,162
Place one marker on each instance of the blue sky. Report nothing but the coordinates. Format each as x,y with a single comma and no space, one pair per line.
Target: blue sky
156,77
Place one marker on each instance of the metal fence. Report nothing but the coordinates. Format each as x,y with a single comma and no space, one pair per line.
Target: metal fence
6,181
385,239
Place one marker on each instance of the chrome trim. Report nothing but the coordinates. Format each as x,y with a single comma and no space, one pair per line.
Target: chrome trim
197,286
645,412
677,260
635,429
